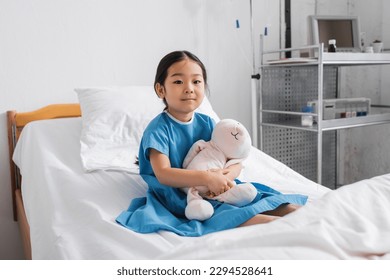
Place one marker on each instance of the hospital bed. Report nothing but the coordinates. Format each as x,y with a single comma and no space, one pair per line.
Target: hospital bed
67,211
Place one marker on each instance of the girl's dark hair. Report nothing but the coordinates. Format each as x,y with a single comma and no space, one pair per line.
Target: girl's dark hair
172,58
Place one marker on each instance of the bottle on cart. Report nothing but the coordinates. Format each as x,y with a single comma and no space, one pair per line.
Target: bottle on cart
332,45
307,120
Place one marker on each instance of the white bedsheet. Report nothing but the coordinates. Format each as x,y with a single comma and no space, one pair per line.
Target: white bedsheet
350,223
72,213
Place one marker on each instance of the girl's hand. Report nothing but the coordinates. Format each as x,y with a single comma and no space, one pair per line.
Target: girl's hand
218,182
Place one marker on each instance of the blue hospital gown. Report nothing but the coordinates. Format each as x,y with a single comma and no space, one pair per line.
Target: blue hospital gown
163,207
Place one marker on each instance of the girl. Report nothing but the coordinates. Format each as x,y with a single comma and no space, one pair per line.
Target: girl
181,81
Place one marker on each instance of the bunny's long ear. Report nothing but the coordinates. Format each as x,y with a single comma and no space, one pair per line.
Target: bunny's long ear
195,149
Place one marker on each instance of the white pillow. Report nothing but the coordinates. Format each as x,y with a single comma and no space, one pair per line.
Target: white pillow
113,121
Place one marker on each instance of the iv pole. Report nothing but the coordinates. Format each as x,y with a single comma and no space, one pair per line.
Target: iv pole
254,78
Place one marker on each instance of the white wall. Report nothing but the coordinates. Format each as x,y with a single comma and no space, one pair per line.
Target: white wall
50,47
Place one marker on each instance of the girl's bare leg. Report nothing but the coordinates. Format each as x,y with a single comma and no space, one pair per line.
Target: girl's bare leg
272,215
282,210
259,219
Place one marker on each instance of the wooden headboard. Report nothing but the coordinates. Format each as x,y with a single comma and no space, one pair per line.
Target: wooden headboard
17,121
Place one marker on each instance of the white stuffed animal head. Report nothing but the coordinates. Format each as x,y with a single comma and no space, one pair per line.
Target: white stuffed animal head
232,138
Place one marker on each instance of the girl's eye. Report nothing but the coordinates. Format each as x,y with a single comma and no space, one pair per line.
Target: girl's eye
178,82
197,82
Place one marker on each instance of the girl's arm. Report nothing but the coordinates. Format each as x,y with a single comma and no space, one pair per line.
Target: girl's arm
216,181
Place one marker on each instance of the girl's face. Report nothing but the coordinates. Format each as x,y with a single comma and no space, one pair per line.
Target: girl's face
183,89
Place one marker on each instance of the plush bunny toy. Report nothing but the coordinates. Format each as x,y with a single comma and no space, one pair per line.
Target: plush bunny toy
230,144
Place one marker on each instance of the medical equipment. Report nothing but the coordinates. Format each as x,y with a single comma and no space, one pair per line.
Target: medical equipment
343,107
